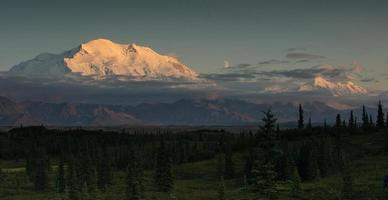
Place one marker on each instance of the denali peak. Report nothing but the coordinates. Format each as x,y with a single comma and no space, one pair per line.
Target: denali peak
102,57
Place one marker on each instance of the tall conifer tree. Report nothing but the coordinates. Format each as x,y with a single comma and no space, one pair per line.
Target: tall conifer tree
301,117
380,123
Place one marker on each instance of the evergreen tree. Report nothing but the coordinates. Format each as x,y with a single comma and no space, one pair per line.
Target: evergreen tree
308,162
249,164
41,175
163,179
324,158
286,164
267,129
2,176
301,117
73,189
220,164
60,183
325,125
134,182
386,122
84,192
351,120
263,172
264,181
347,180
229,165
104,171
344,124
365,118
356,122
386,143
91,183
296,187
309,125
371,124
221,189
41,171
31,159
380,123
338,121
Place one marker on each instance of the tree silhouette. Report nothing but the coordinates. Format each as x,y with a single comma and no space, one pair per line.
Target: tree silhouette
338,121
301,118
380,123
351,120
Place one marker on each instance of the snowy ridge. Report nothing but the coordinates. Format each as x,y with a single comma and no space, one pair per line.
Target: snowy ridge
335,88
103,57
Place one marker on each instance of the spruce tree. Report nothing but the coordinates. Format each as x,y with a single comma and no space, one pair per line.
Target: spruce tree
263,173
229,165
41,175
325,126
104,171
41,171
380,123
73,189
324,158
386,143
60,183
308,162
264,181
365,118
220,164
347,180
2,176
309,125
301,117
296,187
386,121
343,124
163,179
351,120
221,189
133,183
249,163
356,123
285,164
338,121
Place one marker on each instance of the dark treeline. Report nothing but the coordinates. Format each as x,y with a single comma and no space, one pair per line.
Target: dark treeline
83,162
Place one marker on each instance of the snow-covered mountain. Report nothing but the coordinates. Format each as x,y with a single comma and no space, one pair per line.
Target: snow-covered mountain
102,58
346,88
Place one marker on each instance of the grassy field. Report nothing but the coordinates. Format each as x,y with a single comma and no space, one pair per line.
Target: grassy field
198,180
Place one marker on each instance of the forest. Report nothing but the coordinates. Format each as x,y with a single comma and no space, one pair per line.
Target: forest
344,160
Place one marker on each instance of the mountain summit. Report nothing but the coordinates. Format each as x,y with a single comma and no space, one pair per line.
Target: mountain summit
346,88
103,57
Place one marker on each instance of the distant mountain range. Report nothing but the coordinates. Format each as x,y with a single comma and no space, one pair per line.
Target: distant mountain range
182,112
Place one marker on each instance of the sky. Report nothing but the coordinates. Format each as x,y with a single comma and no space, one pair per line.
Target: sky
210,36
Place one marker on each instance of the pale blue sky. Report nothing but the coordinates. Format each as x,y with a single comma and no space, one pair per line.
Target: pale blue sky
205,33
